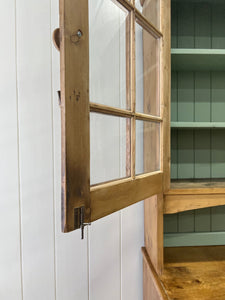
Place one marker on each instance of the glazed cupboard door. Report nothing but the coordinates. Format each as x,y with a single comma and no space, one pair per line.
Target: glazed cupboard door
115,70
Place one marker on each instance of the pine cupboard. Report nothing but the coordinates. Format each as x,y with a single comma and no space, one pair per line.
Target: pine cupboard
197,158
163,120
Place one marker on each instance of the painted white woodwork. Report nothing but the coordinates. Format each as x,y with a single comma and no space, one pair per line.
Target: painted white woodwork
132,237
35,148
10,263
104,256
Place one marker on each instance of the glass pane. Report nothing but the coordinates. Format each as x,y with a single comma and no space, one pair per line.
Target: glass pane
147,72
110,148
147,147
107,29
150,9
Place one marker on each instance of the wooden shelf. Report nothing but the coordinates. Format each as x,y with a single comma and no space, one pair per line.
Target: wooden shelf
199,1
194,125
177,184
189,273
198,59
191,194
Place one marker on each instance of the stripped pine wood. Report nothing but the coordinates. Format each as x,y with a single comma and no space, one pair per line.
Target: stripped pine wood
129,94
104,109
153,288
148,26
154,231
181,202
188,274
132,92
189,271
165,81
151,105
141,18
210,186
74,110
152,147
110,197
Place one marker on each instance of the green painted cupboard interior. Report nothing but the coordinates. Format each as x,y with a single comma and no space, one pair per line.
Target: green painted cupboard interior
197,107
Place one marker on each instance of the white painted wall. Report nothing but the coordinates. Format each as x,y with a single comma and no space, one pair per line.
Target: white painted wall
37,261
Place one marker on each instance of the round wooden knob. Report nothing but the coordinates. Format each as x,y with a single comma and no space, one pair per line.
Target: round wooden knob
56,38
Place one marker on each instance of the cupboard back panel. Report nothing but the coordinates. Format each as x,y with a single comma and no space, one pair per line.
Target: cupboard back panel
198,24
197,97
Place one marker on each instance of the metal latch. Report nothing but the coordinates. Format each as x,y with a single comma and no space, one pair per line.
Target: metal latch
79,220
59,97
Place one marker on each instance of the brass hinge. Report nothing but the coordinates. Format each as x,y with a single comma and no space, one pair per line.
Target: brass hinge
79,220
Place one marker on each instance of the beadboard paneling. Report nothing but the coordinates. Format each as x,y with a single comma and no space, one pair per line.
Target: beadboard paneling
197,97
132,236
51,265
10,270
35,148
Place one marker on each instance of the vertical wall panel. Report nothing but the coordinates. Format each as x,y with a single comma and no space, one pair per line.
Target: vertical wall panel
131,257
202,96
186,221
185,25
202,220
105,234
218,219
174,96
174,26
174,133
10,270
202,154
202,21
185,154
35,131
174,154
170,223
218,108
105,253
218,96
218,29
185,113
185,100
218,156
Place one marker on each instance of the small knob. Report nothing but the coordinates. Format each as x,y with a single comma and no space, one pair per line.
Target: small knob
56,38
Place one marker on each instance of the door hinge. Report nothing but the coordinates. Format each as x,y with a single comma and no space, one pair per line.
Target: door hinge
79,220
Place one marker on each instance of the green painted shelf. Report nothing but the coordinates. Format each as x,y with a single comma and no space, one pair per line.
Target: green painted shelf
203,125
199,1
198,59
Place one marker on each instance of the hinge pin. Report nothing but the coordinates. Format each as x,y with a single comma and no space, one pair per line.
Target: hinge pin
79,220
